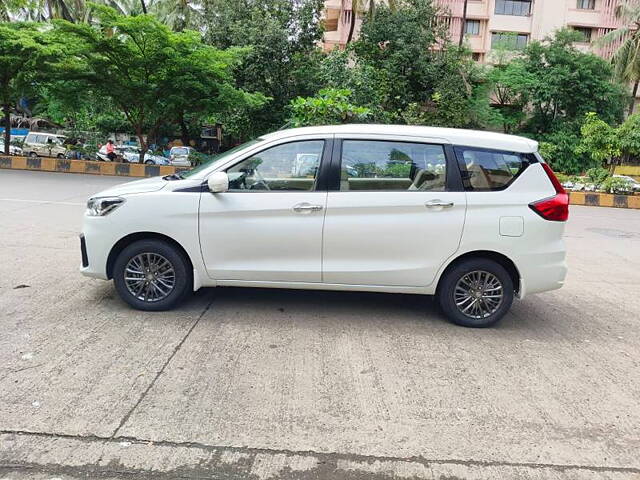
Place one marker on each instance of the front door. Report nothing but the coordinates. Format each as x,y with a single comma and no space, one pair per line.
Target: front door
268,226
393,221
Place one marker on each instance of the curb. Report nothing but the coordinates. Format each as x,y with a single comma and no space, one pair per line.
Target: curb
604,200
48,164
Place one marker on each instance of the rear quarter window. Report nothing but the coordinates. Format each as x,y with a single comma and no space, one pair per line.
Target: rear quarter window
489,170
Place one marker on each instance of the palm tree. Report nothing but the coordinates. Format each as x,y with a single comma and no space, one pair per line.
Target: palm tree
178,14
626,60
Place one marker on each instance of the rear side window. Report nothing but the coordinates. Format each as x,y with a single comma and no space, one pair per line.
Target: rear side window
371,165
487,170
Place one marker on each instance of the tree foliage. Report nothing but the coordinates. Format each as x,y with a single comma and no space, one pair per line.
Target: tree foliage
22,48
329,107
148,72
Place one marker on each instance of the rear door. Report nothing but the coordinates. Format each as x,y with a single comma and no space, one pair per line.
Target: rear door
395,212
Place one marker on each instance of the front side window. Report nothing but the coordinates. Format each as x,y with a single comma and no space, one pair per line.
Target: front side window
486,170
369,165
513,7
288,167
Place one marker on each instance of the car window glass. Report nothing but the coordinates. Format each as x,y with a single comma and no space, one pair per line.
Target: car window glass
490,170
289,167
380,165
41,139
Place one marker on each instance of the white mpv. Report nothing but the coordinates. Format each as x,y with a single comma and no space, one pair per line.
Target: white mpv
474,218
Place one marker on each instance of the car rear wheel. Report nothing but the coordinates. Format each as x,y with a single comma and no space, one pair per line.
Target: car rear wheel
33,155
148,162
152,275
476,292
60,155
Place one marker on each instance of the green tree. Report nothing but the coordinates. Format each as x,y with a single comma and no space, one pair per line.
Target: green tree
22,47
329,107
600,141
148,72
564,84
284,56
421,77
626,59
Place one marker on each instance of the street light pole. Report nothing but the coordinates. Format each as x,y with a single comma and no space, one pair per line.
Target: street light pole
464,21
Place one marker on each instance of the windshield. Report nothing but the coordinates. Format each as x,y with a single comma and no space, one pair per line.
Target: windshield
219,158
180,151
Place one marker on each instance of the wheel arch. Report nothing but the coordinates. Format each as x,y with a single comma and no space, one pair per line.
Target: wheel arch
127,240
497,257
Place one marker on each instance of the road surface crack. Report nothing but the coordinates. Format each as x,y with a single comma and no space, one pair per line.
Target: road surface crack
161,371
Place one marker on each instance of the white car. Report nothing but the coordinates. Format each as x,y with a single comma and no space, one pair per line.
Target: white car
475,218
179,156
13,150
131,154
634,185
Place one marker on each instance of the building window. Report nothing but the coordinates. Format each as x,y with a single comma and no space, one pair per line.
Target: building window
585,32
509,40
472,27
513,7
587,4
476,56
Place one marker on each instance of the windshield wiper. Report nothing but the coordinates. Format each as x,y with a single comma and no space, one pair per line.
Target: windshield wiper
173,176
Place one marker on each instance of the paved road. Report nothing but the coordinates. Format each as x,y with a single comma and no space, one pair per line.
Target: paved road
309,385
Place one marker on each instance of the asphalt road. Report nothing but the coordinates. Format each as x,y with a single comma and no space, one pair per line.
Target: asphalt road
249,383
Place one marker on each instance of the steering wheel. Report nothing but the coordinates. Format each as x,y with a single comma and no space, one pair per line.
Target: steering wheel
261,181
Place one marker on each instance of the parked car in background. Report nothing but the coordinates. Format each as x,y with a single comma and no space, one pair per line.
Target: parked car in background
13,149
474,218
634,185
131,154
40,144
179,156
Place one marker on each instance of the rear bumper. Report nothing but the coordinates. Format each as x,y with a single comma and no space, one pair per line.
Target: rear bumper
541,272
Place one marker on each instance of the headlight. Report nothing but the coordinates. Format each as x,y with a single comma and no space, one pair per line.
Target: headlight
101,206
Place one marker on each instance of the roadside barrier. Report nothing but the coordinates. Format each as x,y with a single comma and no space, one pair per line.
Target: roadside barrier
594,199
49,164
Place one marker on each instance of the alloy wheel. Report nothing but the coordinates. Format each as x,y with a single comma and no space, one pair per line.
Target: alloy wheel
478,294
149,277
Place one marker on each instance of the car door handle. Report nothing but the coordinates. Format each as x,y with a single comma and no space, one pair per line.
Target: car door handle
306,208
438,203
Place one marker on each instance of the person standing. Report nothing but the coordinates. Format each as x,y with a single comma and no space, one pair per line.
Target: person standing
111,150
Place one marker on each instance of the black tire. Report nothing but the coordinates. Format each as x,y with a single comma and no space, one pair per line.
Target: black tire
448,285
183,280
33,155
60,155
149,162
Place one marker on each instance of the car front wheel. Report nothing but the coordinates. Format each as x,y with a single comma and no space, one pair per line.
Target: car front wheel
152,275
476,292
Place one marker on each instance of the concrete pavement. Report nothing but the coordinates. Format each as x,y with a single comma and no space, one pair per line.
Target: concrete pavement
249,383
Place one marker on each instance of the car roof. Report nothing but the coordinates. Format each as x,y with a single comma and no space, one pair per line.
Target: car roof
456,136
46,133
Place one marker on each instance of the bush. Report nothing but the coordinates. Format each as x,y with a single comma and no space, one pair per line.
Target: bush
331,106
617,185
598,175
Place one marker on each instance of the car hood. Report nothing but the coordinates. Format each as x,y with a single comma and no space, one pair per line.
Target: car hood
138,186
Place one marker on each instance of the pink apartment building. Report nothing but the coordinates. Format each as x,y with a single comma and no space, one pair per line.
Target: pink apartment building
489,20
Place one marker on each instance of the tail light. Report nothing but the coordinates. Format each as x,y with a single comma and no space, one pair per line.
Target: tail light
555,208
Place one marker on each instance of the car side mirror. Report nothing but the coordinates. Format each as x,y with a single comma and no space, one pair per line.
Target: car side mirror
218,182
